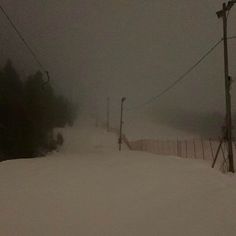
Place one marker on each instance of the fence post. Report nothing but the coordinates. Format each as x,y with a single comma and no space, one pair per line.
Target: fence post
212,153
177,147
225,160
194,149
186,148
180,148
203,151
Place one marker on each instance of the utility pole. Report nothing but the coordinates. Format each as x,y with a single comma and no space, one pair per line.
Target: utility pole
108,114
228,134
121,122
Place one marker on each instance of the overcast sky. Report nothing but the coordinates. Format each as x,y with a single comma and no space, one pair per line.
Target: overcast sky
134,48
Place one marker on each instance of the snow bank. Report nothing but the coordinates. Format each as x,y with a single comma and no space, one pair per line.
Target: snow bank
90,189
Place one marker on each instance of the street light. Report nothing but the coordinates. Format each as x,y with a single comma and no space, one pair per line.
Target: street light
121,121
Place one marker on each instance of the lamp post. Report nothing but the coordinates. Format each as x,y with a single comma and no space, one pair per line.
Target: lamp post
121,122
108,114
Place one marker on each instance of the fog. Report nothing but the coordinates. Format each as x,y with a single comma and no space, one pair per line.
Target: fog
95,49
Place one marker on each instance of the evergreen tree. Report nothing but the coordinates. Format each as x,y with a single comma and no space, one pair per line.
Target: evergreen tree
29,112
11,110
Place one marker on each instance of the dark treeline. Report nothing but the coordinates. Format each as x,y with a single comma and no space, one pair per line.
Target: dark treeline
29,111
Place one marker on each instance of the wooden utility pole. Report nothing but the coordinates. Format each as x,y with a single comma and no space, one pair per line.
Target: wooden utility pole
121,122
108,114
228,135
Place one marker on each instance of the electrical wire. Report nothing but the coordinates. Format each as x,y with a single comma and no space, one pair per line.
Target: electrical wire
178,80
27,45
232,37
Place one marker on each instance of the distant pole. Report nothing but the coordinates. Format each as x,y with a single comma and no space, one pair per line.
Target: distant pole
96,119
121,122
228,136
108,114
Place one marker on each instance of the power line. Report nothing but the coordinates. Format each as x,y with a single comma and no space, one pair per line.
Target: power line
178,80
232,37
24,41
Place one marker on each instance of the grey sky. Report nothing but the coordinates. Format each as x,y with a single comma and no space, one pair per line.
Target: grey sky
94,49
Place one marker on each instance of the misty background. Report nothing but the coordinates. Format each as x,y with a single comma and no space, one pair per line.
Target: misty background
95,49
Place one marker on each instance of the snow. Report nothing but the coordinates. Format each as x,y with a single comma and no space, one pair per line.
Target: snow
88,188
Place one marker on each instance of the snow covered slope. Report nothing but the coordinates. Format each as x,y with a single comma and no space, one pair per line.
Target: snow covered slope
90,189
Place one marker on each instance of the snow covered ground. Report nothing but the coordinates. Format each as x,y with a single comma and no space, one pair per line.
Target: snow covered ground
88,188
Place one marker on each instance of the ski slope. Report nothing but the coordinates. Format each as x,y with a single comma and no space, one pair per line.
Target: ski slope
88,188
